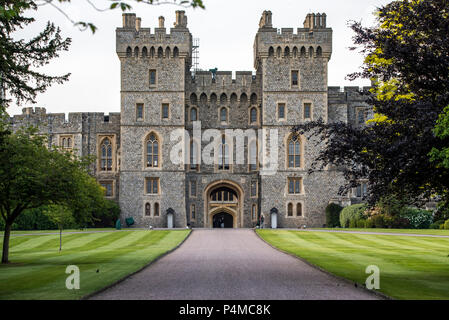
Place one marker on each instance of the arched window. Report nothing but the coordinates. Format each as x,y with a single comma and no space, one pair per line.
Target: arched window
290,210
223,98
167,52
194,159
152,52
136,52
106,155
271,52
223,195
319,52
299,209
175,52
192,212
294,152
287,52
311,52
69,143
193,114
213,98
63,142
233,98
156,209
223,155
160,52
147,209
193,99
295,52
152,145
223,114
129,52
253,115
144,52
303,52
278,52
254,99
243,98
253,156
203,99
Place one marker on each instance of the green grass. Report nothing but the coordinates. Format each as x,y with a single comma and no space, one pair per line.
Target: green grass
19,232
410,267
410,231
37,269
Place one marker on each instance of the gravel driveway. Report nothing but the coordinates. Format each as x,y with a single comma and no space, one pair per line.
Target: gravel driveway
231,264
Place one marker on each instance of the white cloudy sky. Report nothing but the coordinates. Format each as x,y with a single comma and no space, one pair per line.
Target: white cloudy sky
226,29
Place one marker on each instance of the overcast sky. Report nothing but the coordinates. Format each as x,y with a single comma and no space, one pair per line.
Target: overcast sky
226,29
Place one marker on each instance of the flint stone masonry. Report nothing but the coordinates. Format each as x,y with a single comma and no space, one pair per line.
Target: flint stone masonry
168,52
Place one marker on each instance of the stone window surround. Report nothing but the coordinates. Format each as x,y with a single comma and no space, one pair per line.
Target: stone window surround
231,155
158,186
156,78
162,111
109,181
190,188
100,138
304,109
295,211
189,114
302,140
301,186
295,86
227,115
257,123
284,119
152,207
193,218
257,189
144,151
254,216
143,111
66,136
198,165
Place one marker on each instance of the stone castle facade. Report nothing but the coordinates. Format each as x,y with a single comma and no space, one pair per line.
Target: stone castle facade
160,94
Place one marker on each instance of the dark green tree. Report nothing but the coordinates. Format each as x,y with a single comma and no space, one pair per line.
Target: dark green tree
406,57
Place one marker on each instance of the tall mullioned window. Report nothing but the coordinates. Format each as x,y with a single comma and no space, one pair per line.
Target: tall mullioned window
223,155
152,185
295,78
281,111
223,115
107,185
152,145
294,152
152,77
307,111
294,185
106,155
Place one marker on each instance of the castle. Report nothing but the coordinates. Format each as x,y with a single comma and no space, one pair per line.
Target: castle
160,95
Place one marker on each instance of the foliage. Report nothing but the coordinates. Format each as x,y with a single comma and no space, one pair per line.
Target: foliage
446,225
60,215
369,223
361,223
419,219
106,214
19,58
390,206
349,213
437,224
441,156
406,58
31,176
379,221
333,215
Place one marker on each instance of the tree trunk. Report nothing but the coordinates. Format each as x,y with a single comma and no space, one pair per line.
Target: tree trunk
60,239
5,255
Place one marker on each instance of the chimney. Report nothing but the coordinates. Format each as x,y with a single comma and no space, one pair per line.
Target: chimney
138,23
181,19
129,20
161,22
266,20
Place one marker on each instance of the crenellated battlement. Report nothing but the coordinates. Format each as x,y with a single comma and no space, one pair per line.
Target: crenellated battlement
133,41
223,79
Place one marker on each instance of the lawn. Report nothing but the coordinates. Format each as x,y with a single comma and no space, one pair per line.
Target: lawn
37,269
410,267
409,231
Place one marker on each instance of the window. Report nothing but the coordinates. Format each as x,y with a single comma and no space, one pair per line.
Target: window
156,209
223,155
106,155
165,111
139,111
361,190
294,78
253,115
152,185
253,189
193,188
254,212
299,209
290,210
152,77
253,156
224,195
361,116
66,142
294,185
223,115
281,111
192,212
147,209
108,186
307,111
193,114
152,151
294,152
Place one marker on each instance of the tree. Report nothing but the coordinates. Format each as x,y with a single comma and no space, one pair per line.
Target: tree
60,215
32,176
406,57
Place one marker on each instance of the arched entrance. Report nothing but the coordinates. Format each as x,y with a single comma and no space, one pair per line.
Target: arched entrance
223,204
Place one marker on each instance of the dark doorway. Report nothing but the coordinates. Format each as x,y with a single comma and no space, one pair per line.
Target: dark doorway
223,220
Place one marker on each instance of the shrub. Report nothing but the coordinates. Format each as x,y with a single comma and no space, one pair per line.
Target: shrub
352,212
398,222
353,223
369,223
419,219
106,215
333,215
361,223
446,225
378,221
442,226
437,224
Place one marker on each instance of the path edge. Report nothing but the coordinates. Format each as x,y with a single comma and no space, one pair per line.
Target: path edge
359,286
90,295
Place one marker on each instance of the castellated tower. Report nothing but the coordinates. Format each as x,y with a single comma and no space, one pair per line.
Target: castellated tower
153,70
294,71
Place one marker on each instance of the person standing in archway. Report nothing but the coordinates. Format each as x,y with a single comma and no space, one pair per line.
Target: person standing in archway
262,218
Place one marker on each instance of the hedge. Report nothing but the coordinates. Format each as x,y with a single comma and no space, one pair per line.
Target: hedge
349,213
333,211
